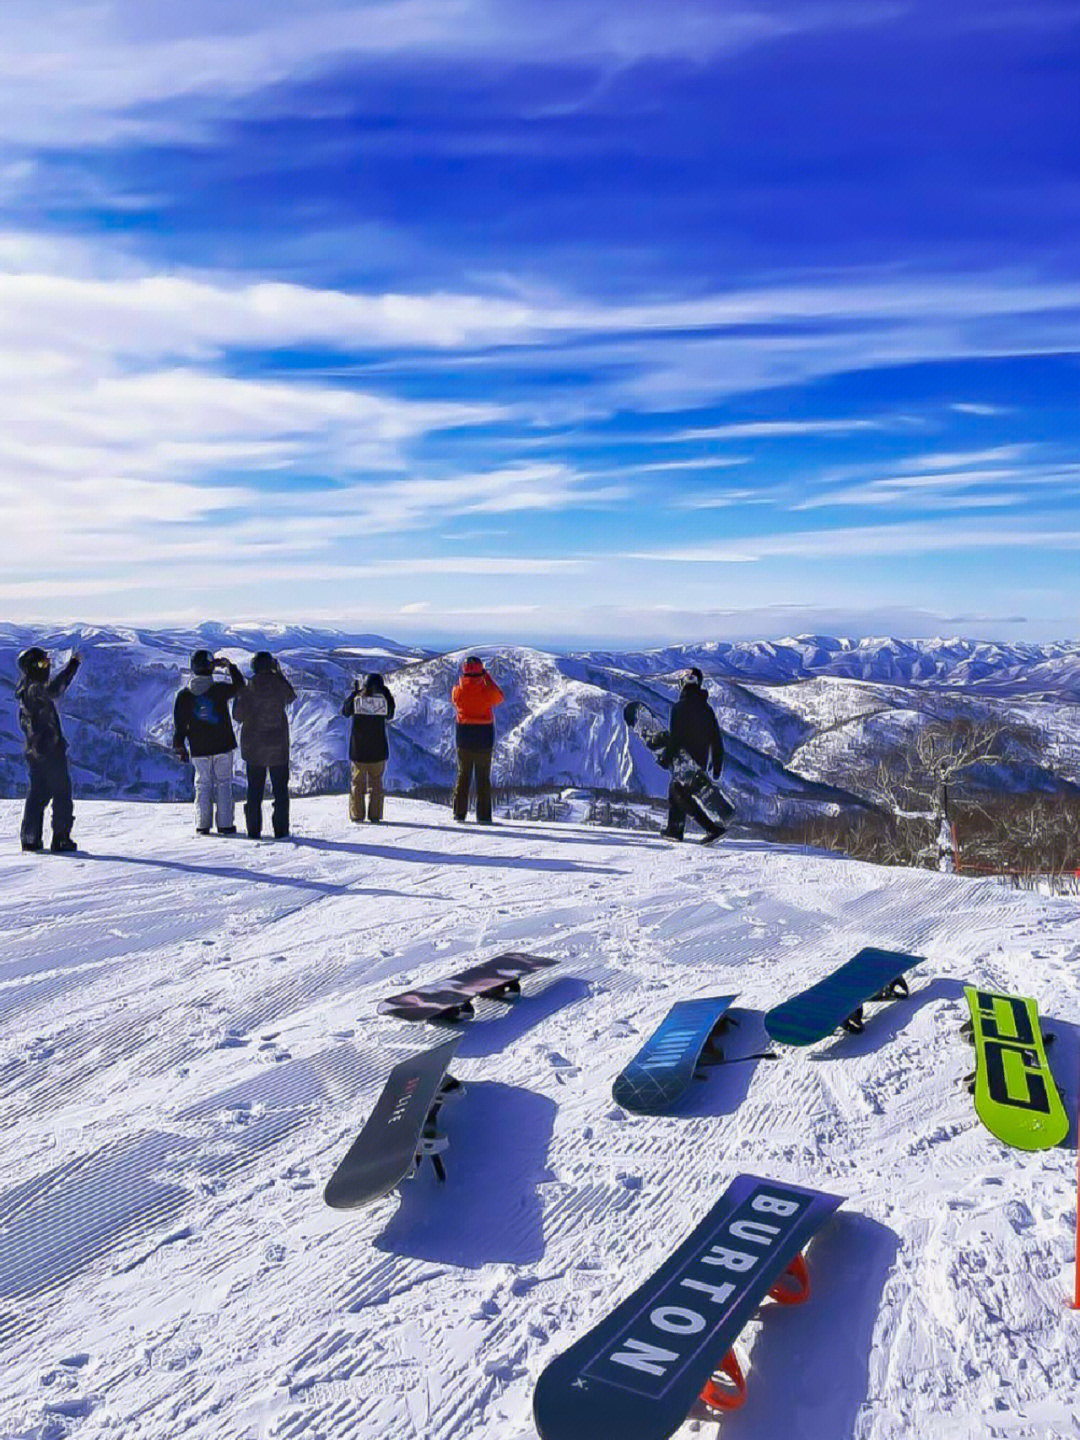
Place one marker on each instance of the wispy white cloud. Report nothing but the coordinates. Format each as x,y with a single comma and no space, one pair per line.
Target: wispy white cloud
91,73
845,542
774,429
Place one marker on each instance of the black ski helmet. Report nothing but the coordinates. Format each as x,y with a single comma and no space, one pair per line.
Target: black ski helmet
202,663
34,661
261,662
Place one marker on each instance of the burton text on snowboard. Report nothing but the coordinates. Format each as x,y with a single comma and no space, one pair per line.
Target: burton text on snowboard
641,1371
451,999
1015,1095
400,1131
836,1003
664,1068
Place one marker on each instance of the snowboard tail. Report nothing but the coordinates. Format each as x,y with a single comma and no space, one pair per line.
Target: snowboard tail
1015,1094
639,1373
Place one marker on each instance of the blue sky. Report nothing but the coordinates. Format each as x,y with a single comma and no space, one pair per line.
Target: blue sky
561,321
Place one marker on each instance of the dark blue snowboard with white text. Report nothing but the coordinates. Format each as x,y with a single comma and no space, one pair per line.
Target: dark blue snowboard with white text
639,1372
664,1068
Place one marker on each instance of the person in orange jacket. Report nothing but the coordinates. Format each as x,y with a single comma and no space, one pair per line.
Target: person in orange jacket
475,697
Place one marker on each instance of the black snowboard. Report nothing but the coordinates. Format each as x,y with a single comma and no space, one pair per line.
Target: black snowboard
638,1374
837,1001
452,998
400,1131
694,787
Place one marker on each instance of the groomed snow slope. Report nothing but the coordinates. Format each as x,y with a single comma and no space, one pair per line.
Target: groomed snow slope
190,1044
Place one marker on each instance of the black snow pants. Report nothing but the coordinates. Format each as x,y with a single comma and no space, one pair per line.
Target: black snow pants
682,803
50,780
256,787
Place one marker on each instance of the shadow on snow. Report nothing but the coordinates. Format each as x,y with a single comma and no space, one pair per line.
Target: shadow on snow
487,1210
516,1017
886,1019
810,1363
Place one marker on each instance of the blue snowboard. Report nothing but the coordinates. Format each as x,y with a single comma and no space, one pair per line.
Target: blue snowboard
837,1002
638,1374
664,1068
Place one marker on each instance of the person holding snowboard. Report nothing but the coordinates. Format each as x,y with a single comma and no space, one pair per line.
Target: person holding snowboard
203,732
259,710
49,779
695,729
369,707
475,697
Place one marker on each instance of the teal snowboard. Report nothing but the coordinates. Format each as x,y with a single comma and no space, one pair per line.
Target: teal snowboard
836,1003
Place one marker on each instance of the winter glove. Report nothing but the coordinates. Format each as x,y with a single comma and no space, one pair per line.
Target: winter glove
180,751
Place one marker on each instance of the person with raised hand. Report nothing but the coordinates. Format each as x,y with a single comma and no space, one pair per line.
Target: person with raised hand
475,697
49,779
369,707
203,734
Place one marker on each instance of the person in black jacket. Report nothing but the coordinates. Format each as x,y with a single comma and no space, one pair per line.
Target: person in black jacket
203,731
259,710
695,729
370,706
46,750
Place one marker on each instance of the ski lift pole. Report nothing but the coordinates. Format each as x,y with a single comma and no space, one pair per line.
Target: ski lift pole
1076,1293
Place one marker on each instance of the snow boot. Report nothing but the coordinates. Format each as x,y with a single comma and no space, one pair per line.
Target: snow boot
713,835
226,830
64,846
671,835
33,847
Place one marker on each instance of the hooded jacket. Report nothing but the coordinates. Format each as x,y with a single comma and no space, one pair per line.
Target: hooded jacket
369,711
475,698
38,715
201,714
695,728
259,710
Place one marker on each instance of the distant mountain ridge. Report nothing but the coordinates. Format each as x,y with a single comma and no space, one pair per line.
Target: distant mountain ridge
799,714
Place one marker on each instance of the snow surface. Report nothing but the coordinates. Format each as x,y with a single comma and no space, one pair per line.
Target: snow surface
190,1043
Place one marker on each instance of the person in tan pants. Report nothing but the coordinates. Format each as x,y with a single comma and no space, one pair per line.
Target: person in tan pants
369,707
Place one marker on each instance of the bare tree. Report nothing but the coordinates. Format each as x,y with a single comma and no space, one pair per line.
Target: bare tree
914,782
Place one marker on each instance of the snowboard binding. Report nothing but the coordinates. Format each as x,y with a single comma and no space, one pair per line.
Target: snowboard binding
726,1390
433,1145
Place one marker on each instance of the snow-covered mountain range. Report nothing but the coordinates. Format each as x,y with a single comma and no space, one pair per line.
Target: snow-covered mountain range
801,715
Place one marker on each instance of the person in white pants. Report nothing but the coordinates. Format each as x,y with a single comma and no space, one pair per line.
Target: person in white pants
214,792
203,733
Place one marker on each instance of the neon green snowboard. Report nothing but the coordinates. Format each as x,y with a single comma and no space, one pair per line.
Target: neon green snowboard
1015,1095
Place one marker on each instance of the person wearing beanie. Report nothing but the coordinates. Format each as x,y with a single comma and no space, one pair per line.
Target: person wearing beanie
203,733
49,779
695,729
369,707
259,710
475,697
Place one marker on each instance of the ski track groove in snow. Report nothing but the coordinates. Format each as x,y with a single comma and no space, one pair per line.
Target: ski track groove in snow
177,1093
